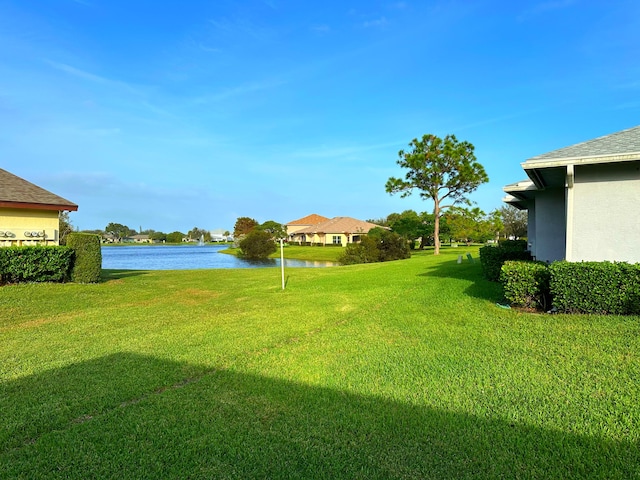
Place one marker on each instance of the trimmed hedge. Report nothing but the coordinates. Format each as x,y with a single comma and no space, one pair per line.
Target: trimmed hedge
35,264
596,287
87,266
526,284
492,258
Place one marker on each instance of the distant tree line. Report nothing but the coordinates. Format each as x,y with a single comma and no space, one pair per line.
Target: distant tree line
457,224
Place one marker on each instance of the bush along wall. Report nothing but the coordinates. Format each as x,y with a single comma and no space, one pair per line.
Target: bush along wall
526,284
492,258
595,287
87,265
35,264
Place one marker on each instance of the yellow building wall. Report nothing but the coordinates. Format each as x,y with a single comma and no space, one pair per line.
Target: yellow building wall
21,226
327,238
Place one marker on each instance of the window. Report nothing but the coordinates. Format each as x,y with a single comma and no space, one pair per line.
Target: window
337,240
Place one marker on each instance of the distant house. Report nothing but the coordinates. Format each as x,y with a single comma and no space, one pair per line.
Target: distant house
583,201
29,214
219,236
335,231
141,239
302,223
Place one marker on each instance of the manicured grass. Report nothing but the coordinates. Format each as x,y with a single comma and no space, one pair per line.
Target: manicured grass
297,252
397,370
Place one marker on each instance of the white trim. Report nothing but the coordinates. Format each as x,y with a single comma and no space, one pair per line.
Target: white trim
583,160
568,249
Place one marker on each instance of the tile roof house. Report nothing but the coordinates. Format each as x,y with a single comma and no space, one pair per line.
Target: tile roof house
29,214
583,201
304,222
335,231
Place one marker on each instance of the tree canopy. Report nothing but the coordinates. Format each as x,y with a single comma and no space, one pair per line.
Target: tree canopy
412,226
118,230
472,224
442,170
514,221
257,245
276,229
243,226
196,233
65,227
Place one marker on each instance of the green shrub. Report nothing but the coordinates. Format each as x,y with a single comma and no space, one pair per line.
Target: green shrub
35,264
391,245
257,245
87,265
493,257
596,287
380,245
513,244
526,284
364,252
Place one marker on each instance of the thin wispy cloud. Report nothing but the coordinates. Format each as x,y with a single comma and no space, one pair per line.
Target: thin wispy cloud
241,27
545,7
321,29
169,105
76,72
206,48
118,86
238,91
378,22
342,151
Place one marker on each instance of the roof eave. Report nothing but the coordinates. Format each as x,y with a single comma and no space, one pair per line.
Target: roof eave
590,160
39,206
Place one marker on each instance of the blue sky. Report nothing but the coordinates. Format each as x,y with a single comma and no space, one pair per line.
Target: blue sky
170,115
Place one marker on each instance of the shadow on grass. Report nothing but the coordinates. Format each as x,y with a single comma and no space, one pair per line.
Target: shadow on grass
130,416
472,272
107,274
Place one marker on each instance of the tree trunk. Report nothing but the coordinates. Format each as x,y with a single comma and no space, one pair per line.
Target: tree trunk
436,226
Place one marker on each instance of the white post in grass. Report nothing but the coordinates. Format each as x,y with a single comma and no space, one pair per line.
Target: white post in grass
282,261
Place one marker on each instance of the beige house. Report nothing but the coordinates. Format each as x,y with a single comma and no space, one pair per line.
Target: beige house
141,239
305,222
583,201
29,214
335,231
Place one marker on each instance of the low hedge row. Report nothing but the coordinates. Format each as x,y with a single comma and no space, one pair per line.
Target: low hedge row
87,266
596,287
35,264
526,284
493,257
585,287
79,261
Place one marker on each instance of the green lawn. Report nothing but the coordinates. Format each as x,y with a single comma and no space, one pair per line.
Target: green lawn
297,252
398,370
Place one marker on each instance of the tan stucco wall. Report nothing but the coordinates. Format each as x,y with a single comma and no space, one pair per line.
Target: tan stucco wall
294,228
326,239
18,222
606,212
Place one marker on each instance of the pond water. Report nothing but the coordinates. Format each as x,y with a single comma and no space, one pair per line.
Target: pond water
186,257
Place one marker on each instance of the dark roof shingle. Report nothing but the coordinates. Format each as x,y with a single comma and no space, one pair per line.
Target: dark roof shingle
19,193
620,143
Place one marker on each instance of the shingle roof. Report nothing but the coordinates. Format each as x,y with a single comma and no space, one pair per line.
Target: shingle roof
340,225
16,192
620,143
312,219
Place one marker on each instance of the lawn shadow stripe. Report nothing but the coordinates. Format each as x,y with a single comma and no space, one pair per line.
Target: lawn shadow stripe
237,425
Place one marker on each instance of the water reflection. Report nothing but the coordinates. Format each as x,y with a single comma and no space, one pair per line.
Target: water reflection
188,257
